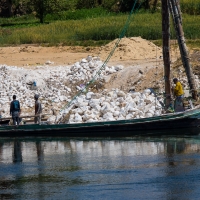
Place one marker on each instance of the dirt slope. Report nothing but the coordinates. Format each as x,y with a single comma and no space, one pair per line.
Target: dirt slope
141,58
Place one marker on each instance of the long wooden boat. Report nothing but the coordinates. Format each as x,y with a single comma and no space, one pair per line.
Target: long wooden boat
187,122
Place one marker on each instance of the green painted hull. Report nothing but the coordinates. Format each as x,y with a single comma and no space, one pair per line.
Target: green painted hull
179,123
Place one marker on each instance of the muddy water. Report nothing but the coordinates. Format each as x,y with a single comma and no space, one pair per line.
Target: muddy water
136,168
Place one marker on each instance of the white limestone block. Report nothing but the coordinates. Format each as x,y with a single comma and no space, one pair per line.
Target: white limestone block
151,111
91,65
147,91
89,58
121,117
77,118
129,116
89,95
135,94
51,119
116,113
84,60
119,67
121,94
108,115
149,115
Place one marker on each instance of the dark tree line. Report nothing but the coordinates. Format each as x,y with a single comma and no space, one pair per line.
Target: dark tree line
6,8
115,5
10,8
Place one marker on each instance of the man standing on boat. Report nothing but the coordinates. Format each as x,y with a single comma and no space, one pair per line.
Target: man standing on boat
38,110
178,94
15,110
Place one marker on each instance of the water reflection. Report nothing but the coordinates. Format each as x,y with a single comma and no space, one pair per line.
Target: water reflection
88,169
40,151
17,153
1,149
178,185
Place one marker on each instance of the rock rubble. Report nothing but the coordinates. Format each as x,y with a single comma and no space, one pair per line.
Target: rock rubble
110,106
55,85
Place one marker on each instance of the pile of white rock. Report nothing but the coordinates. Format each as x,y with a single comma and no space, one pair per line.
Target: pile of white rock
88,68
110,106
55,85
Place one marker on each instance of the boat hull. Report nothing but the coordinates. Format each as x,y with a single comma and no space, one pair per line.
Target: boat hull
181,123
4,122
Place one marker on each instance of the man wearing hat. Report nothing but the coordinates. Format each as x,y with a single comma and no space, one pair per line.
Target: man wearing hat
38,110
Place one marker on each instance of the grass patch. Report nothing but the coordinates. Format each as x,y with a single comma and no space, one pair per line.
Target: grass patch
94,31
20,21
190,7
192,44
79,14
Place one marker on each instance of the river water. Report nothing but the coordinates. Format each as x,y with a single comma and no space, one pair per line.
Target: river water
127,168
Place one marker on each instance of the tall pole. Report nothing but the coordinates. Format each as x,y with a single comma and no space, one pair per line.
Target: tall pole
179,11
166,49
176,14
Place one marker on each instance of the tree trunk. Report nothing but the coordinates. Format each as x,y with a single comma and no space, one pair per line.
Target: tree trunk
41,19
146,4
41,11
9,4
99,2
6,8
166,49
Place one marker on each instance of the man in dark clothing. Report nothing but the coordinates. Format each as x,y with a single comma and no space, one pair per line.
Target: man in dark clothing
38,109
15,110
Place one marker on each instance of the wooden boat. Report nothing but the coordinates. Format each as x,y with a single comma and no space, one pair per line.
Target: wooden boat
4,122
187,122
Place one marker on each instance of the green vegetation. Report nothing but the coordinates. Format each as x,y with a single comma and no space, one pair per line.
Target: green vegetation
90,30
91,22
17,21
79,14
190,6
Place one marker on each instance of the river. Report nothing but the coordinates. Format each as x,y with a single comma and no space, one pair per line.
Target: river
127,168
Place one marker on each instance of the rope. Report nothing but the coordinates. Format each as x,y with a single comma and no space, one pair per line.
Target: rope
122,34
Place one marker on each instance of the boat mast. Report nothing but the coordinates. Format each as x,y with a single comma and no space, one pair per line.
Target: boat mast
166,49
176,14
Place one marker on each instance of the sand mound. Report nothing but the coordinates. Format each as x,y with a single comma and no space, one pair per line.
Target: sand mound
129,49
134,48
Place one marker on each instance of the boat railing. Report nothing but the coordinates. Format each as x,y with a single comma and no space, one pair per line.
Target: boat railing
29,117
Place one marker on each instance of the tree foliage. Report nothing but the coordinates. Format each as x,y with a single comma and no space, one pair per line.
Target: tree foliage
41,8
6,8
10,8
126,5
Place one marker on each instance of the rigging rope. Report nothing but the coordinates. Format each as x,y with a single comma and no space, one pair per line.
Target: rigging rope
122,34
156,74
